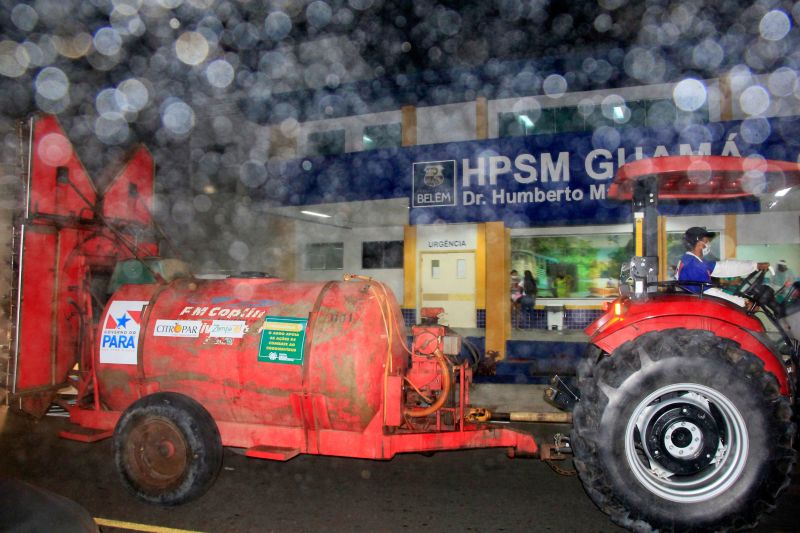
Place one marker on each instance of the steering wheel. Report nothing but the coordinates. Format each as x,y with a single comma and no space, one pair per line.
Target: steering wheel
745,288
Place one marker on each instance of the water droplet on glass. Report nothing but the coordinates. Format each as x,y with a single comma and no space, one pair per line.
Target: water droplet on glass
689,94
24,17
774,25
178,117
191,48
219,73
107,41
52,83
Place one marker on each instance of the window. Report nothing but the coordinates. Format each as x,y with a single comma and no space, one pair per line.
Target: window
573,266
638,113
325,256
664,113
529,122
461,268
326,142
382,136
382,254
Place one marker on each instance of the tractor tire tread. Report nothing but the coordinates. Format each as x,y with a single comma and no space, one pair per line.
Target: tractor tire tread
598,381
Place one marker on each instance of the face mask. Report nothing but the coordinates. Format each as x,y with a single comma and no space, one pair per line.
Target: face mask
706,250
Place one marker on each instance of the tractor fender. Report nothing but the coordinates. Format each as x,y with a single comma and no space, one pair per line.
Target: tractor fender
756,342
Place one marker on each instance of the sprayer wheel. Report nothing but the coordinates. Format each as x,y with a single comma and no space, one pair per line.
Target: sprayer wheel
167,449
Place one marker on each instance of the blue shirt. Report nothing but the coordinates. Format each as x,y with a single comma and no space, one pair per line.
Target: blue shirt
692,268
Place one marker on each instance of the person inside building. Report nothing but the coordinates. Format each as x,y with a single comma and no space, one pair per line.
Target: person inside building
784,276
516,296
528,299
692,266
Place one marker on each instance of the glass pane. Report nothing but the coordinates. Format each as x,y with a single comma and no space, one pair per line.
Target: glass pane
372,255
382,136
531,122
326,142
660,113
435,269
638,114
461,269
325,256
334,257
393,254
573,266
568,119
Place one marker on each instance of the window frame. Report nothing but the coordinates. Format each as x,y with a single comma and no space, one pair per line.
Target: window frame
385,253
326,142
314,250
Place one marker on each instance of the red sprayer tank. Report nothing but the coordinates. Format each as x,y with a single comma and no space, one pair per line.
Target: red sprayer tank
256,350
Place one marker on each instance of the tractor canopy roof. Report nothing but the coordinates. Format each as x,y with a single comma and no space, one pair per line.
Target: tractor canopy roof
696,177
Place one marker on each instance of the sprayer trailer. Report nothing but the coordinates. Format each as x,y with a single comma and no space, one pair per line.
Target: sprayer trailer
685,410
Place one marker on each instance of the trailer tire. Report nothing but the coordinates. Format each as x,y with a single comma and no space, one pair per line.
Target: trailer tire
167,449
681,429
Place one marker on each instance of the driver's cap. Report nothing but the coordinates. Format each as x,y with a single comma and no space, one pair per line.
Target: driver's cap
696,233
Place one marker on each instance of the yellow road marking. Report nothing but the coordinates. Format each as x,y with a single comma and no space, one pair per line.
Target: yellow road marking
133,526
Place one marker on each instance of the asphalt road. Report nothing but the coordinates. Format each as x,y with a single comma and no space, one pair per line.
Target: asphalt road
476,490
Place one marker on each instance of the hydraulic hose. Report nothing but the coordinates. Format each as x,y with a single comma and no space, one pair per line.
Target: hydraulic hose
421,412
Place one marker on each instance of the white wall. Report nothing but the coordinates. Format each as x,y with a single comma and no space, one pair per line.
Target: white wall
767,95
446,123
308,233
769,237
782,227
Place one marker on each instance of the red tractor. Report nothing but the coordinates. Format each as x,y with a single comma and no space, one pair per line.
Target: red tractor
685,419
685,416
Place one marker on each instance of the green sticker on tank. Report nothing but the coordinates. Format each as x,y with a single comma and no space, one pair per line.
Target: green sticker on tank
282,340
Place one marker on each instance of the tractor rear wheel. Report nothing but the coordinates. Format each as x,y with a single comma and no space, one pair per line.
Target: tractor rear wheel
167,449
681,429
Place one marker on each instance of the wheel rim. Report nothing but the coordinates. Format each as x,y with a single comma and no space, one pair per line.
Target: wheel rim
686,443
157,454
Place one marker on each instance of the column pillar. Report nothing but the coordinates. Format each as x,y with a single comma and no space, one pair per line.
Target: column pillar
498,310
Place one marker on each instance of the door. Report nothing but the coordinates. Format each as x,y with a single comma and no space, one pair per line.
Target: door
448,281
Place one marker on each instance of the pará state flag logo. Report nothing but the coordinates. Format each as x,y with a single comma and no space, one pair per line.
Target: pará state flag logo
119,336
434,183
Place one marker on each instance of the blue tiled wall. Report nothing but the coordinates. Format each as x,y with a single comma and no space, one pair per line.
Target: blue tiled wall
573,318
535,320
409,316
580,318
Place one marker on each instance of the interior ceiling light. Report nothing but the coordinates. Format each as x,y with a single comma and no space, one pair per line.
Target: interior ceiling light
526,121
367,139
315,214
783,192
619,112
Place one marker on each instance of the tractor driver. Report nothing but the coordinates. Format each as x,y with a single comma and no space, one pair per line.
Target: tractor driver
692,266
